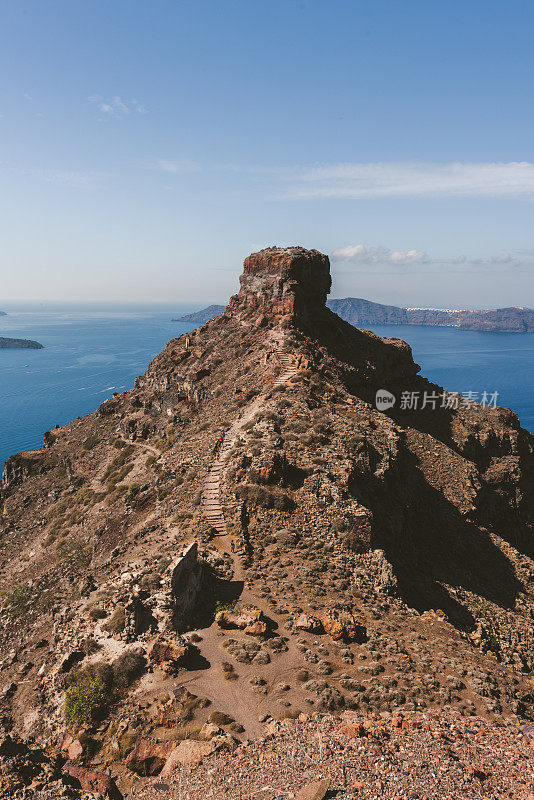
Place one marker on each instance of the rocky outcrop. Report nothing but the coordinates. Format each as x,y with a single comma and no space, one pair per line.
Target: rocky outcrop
342,625
248,620
168,653
187,582
290,281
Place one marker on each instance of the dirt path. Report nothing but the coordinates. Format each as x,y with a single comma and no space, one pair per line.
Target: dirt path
211,504
228,696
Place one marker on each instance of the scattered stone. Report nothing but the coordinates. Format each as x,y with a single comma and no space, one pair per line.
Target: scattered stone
148,756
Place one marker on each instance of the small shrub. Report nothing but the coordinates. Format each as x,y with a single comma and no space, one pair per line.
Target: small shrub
290,713
263,497
221,606
90,442
72,552
127,668
229,673
219,718
85,701
117,621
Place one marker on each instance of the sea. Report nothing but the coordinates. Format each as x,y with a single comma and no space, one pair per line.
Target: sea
91,352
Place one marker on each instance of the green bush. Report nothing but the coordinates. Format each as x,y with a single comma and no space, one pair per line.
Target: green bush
85,701
90,442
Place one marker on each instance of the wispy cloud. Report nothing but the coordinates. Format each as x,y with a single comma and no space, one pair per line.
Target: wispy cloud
404,179
117,107
178,167
358,253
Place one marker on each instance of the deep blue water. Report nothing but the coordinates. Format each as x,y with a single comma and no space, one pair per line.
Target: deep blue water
90,354
468,361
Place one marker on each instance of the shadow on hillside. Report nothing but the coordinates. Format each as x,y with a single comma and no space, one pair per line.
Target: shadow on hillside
429,543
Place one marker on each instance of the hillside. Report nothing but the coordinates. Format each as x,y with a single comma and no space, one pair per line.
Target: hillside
244,536
363,312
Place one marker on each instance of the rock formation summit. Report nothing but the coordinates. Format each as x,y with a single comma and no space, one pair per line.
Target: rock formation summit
245,537
289,281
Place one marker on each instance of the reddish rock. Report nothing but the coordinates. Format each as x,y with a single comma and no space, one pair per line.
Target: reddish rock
167,650
148,756
249,620
342,625
283,281
93,781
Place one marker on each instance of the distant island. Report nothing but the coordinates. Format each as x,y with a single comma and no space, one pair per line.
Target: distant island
3,314
361,312
201,316
19,344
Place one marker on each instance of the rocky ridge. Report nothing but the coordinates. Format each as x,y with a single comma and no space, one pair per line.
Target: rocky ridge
358,560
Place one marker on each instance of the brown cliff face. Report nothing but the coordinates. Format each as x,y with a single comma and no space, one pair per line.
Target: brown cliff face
289,281
387,555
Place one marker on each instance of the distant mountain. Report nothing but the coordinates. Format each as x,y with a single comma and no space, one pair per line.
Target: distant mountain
201,316
19,344
3,314
361,312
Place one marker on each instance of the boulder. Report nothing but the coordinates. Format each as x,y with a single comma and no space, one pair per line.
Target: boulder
168,651
148,756
341,625
250,620
308,623
93,781
187,753
317,790
209,730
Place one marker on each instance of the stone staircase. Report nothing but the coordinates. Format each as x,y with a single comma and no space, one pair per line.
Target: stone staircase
211,506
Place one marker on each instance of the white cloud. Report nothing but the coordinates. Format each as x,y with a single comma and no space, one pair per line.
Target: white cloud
358,253
405,179
116,107
178,167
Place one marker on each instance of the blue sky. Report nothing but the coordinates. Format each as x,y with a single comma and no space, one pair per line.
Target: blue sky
147,148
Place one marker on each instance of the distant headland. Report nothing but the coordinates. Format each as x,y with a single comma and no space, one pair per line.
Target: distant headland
360,312
19,344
